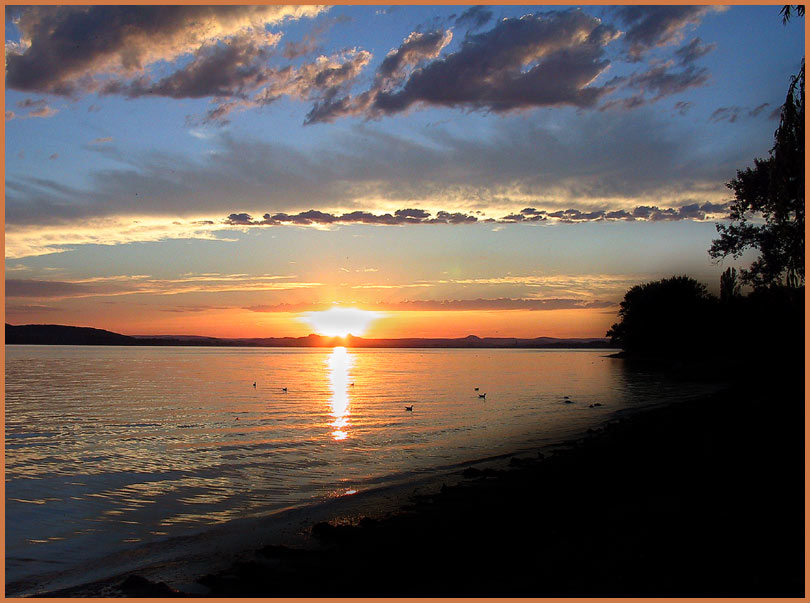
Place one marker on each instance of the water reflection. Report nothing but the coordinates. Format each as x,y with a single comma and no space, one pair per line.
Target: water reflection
340,361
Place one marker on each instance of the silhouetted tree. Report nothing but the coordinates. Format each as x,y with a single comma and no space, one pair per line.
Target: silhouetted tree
774,190
789,9
669,317
729,287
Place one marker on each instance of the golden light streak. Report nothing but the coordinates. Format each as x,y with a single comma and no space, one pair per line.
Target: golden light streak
339,363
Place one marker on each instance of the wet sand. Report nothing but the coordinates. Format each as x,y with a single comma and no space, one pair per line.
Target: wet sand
699,498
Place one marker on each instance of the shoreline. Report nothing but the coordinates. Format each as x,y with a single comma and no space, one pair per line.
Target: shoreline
616,491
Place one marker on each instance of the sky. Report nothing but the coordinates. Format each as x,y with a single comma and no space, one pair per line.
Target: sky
492,170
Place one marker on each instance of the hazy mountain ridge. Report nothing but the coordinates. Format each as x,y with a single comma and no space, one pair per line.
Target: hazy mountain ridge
69,335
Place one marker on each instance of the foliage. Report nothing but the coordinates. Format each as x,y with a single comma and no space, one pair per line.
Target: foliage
729,286
773,191
787,11
664,318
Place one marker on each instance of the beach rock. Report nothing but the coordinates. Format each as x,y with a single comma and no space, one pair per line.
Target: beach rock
138,586
328,532
471,472
368,523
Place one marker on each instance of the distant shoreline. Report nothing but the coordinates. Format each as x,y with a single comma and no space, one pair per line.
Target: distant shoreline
69,335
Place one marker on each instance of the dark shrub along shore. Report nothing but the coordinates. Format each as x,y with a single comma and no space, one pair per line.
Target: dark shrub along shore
698,498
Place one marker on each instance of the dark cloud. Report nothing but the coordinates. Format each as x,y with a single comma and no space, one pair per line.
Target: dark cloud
653,26
661,81
683,107
401,216
474,18
734,113
30,103
692,211
417,47
758,109
71,45
730,114
538,60
693,51
232,69
45,289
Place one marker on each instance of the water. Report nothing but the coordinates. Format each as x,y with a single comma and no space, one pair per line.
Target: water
110,448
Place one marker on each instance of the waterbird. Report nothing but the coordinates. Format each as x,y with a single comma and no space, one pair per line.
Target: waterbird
476,389
254,384
484,396
351,384
284,389
409,407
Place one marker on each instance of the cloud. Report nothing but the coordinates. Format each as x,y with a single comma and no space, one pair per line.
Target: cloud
427,305
661,81
417,47
580,163
683,107
37,108
65,49
140,284
54,156
691,211
474,18
310,43
537,60
400,216
232,69
758,109
693,51
655,26
734,113
103,140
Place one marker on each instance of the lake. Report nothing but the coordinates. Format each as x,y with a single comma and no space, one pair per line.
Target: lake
113,448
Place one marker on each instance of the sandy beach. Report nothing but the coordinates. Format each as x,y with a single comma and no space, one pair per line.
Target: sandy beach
700,498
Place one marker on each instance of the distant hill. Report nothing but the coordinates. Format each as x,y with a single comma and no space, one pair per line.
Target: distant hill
66,335
63,335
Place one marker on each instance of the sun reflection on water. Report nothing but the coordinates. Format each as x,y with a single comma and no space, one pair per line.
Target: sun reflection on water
340,361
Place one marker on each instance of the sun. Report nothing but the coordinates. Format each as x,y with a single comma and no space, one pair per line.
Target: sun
340,322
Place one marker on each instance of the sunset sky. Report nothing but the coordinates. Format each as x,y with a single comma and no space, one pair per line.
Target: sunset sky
498,171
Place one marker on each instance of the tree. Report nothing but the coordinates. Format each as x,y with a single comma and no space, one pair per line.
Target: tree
772,191
670,317
787,11
729,287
